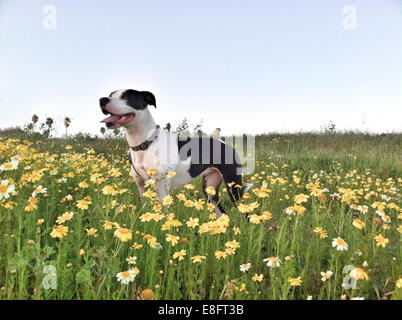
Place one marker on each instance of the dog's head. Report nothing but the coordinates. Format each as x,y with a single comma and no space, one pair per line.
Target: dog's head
124,106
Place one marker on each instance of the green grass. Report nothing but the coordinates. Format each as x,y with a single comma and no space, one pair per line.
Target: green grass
358,163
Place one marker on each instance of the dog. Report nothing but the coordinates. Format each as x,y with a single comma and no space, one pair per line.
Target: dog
154,148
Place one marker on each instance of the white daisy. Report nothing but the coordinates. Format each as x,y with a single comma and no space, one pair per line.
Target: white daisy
245,267
326,275
16,158
126,277
273,262
8,166
289,211
131,260
6,189
362,209
39,189
340,244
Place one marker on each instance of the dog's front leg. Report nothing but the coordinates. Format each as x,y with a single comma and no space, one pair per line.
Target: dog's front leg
162,189
140,184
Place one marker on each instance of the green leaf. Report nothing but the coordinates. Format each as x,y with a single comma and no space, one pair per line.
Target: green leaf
83,275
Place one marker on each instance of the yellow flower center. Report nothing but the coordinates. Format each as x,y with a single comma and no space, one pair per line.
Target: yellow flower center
340,242
126,274
123,231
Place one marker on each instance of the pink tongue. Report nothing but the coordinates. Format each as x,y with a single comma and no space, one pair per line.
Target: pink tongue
112,118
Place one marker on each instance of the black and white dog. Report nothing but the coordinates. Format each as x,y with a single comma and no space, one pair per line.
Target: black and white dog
154,148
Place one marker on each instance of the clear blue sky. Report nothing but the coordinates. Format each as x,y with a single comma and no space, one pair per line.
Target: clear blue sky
245,66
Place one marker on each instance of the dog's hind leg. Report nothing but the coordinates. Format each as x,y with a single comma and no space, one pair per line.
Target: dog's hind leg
213,179
233,181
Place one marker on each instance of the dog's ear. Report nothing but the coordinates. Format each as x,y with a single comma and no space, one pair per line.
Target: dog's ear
149,98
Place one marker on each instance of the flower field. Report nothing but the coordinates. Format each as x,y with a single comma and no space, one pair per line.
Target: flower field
322,221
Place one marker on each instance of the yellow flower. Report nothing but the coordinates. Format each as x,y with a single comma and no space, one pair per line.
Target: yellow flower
236,230
188,203
295,282
152,172
149,194
358,274
109,190
146,217
82,252
171,174
136,246
168,200
173,239
220,254
399,283
83,204
59,232
257,277
40,222
300,198
193,222
210,206
181,197
267,215
255,218
65,217
323,234
32,204
210,190
108,225
244,208
123,234
359,224
199,204
83,184
232,244
91,232
381,241
179,255
198,259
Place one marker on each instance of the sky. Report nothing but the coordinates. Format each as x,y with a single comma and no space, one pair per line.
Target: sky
244,66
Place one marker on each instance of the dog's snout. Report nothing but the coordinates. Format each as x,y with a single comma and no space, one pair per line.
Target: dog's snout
103,101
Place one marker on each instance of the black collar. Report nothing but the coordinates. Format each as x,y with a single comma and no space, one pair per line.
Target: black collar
144,146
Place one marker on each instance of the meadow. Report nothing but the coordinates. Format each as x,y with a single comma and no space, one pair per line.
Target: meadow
322,221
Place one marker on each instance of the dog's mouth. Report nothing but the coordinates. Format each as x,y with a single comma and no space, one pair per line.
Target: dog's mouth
116,120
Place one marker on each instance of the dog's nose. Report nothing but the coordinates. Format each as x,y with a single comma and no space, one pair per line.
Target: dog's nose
103,101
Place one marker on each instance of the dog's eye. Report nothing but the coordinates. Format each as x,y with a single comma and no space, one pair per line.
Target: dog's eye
123,96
